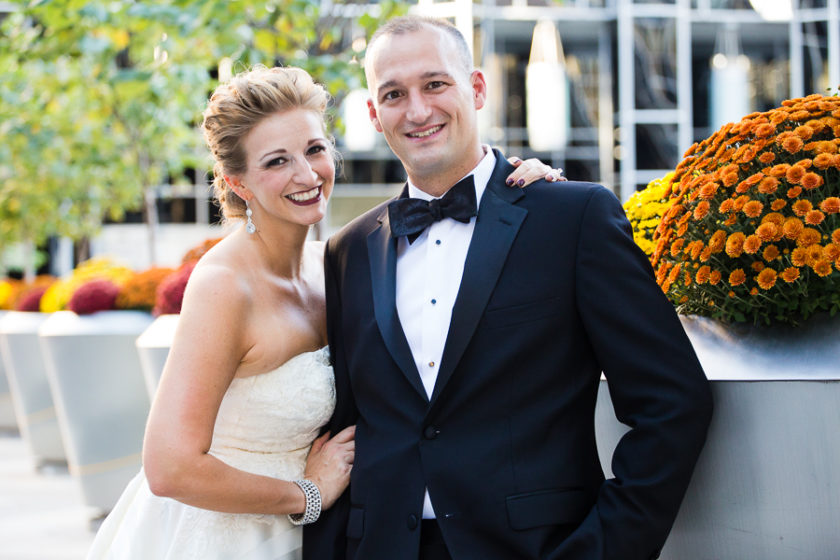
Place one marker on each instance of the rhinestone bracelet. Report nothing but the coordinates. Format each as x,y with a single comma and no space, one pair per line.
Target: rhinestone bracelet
313,503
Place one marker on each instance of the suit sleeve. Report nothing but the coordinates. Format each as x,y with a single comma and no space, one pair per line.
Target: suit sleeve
657,386
326,538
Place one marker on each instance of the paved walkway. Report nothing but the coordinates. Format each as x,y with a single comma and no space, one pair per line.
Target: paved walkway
42,515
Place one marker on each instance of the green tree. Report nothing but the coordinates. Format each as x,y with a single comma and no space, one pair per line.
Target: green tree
99,100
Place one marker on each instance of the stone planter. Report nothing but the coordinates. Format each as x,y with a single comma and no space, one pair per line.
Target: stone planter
153,347
27,378
765,486
95,375
8,423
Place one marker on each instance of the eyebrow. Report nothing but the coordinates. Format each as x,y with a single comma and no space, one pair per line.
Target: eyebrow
424,76
279,151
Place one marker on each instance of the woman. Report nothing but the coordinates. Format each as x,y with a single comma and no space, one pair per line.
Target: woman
228,470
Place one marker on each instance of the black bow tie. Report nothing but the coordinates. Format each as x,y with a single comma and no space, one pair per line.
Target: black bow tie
410,216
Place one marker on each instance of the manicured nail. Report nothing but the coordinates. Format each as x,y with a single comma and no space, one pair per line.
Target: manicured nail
509,182
521,182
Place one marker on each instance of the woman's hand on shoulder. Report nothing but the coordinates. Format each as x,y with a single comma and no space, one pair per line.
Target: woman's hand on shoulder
531,170
329,463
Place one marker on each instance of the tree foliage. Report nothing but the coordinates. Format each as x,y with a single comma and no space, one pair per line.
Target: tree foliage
99,100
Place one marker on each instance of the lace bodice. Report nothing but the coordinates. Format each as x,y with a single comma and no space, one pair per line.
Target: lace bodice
267,422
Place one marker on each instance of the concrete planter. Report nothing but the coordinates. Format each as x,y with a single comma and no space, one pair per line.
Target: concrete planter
95,375
27,377
153,346
765,487
8,422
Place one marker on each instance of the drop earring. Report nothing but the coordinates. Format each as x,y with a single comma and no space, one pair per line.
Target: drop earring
249,225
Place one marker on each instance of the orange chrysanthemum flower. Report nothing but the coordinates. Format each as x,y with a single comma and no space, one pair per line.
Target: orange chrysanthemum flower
753,208
802,207
715,277
790,274
677,246
778,170
729,179
814,218
767,157
735,244
764,130
799,256
767,231
793,228
822,268
795,174
701,210
792,144
831,251
804,132
766,278
703,274
823,161
778,204
737,277
768,185
811,181
708,190
808,237
752,244
813,253
771,253
726,206
718,241
830,205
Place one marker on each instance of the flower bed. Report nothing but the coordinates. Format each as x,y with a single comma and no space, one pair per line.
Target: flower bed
752,233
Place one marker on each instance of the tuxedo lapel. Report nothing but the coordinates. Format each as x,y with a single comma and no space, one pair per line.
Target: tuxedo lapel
496,227
382,255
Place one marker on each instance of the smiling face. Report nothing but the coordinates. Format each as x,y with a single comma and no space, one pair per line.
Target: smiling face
425,103
290,168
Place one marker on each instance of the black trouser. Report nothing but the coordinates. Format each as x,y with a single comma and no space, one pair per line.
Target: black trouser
432,546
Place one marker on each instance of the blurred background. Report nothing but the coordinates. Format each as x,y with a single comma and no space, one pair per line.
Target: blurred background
100,101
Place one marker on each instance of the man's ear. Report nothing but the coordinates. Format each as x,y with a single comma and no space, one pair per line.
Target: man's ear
479,88
372,114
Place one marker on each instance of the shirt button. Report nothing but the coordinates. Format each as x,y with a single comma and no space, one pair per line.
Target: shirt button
434,301
411,522
437,241
431,364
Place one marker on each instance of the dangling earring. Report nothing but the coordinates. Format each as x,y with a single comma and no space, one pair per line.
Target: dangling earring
249,225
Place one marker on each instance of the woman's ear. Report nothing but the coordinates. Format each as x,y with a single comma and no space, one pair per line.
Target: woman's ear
236,186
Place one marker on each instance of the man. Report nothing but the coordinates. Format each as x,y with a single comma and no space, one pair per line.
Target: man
468,353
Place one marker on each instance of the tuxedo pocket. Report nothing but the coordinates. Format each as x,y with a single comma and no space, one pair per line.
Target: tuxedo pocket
356,523
522,313
547,507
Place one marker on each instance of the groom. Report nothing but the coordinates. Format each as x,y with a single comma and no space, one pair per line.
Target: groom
468,348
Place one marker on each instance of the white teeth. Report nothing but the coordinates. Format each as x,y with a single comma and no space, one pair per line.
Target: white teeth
304,196
425,133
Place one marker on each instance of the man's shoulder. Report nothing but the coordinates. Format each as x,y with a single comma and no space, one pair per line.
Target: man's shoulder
542,194
360,227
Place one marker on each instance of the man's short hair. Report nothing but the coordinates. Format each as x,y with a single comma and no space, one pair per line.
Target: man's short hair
413,23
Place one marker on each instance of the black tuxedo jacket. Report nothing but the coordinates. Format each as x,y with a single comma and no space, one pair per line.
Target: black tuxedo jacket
554,292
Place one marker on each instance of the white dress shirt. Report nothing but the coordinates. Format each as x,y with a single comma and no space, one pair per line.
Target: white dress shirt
429,275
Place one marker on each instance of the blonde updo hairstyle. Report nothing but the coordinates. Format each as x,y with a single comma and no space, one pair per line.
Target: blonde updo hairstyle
239,105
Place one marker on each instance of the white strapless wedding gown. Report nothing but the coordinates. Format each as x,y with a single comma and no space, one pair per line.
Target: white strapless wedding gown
266,424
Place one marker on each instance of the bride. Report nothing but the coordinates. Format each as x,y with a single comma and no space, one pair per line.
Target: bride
231,461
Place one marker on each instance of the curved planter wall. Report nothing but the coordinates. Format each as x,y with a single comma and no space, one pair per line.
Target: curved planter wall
27,377
100,395
766,484
8,422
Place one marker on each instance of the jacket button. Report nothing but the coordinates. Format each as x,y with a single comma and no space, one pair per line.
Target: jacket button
411,522
430,432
